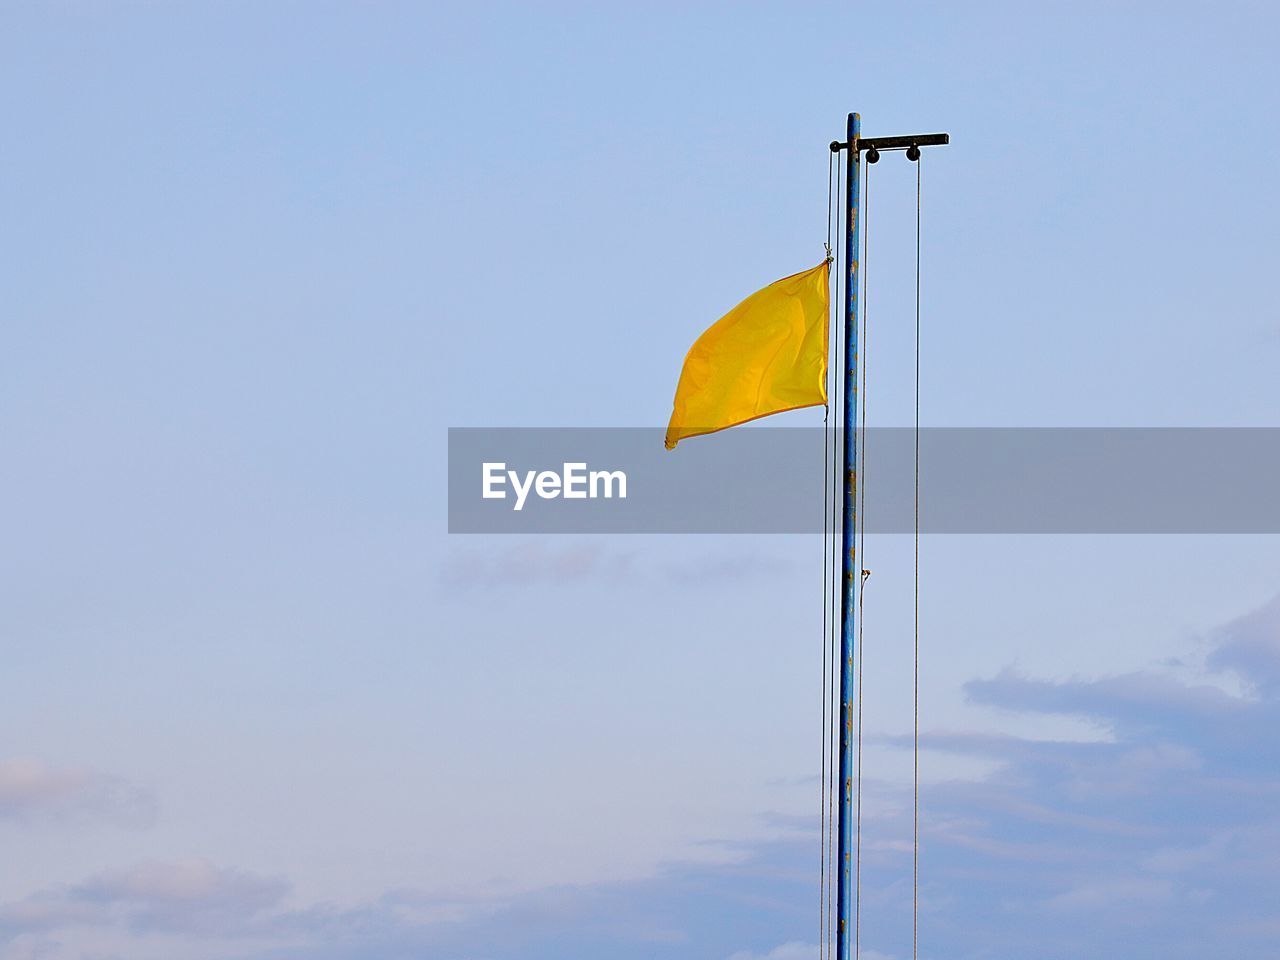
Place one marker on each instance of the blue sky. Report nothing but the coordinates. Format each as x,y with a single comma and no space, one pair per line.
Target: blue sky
257,258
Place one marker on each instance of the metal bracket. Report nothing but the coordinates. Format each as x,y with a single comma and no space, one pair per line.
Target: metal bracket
894,143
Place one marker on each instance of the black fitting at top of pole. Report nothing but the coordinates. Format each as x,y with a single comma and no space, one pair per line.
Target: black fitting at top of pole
895,143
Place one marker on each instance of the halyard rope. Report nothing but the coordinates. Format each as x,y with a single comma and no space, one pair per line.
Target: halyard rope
862,554
915,840
826,579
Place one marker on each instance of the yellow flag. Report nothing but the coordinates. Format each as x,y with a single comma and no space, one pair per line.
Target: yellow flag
766,355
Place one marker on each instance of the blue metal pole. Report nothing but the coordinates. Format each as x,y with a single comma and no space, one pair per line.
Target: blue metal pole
849,564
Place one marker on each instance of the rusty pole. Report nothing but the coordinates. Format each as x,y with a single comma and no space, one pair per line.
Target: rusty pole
849,562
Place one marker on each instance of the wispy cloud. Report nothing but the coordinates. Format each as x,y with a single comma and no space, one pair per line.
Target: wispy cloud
1169,825
1250,648
31,791
1159,839
532,563
793,950
192,897
724,569
798,950
516,563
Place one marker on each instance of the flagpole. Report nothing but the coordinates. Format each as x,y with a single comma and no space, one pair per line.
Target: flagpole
849,562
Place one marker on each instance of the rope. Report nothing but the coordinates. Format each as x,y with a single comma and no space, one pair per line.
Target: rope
830,159
915,841
862,554
826,580
837,523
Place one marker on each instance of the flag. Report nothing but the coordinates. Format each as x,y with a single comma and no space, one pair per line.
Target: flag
766,355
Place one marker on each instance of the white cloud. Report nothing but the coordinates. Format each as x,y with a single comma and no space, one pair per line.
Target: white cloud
532,563
794,950
1095,895
190,896
1169,825
31,791
797,950
27,947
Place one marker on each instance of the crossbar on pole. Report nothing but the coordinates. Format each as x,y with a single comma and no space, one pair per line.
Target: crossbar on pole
894,143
